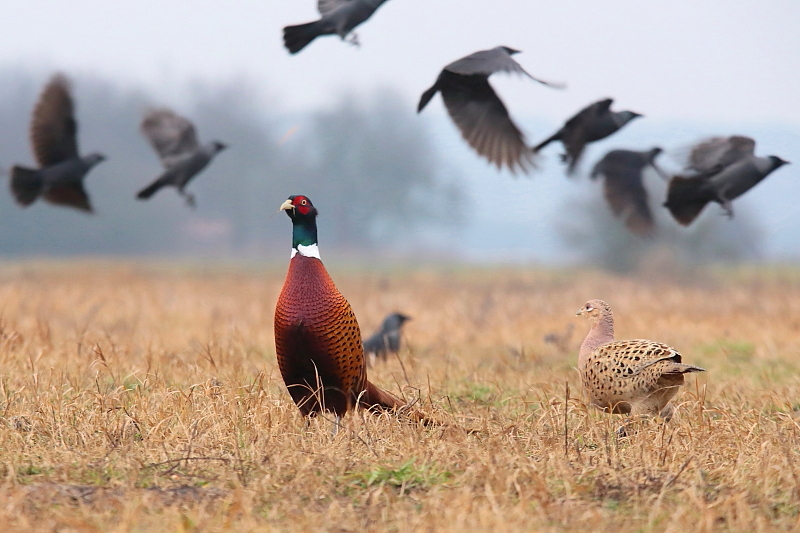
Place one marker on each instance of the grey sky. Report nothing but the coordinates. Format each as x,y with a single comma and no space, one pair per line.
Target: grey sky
708,60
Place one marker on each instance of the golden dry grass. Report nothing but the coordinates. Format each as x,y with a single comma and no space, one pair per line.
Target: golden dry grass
146,398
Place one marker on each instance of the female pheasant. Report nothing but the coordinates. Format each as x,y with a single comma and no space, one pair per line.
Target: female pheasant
317,337
639,377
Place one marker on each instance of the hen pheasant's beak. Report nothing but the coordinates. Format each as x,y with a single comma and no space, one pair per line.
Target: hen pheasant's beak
285,206
579,313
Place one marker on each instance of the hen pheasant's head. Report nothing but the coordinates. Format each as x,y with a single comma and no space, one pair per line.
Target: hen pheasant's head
594,310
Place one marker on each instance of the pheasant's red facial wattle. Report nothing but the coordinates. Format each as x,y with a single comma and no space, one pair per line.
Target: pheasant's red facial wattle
302,204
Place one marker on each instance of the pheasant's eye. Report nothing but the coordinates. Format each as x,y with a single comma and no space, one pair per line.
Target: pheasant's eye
304,202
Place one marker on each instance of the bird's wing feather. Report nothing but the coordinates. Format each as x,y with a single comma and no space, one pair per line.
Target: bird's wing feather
622,371
70,194
624,189
723,151
486,62
327,6
53,128
170,134
484,122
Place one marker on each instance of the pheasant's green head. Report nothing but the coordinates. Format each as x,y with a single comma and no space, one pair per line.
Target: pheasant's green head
304,224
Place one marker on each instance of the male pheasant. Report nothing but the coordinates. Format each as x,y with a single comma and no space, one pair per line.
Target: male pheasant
637,377
317,337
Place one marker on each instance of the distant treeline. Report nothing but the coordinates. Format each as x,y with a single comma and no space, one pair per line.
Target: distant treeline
370,166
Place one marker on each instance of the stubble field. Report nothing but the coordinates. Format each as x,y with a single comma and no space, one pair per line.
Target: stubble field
142,397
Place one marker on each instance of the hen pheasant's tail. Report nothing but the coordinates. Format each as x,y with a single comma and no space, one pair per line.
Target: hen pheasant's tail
680,368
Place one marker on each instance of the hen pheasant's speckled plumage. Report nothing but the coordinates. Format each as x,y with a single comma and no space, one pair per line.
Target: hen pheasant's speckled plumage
318,340
633,376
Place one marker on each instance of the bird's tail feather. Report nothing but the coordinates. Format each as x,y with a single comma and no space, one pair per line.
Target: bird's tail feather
374,397
150,190
556,136
686,198
680,368
295,38
426,97
26,185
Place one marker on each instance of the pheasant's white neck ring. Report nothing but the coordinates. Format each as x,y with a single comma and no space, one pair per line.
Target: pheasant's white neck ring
312,250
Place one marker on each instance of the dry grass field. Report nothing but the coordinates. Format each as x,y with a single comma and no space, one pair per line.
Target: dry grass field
142,397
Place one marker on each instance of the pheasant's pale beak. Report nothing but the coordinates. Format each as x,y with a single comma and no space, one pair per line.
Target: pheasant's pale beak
285,206
579,313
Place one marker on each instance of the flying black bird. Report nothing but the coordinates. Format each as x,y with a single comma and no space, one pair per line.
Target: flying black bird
59,180
339,17
624,189
387,338
175,140
688,195
715,152
478,112
590,124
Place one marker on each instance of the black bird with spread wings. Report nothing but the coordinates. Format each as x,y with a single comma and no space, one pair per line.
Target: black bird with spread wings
725,168
592,123
59,180
339,17
477,110
175,140
624,188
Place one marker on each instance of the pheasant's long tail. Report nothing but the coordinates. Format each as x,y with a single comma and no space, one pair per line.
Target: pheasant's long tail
375,398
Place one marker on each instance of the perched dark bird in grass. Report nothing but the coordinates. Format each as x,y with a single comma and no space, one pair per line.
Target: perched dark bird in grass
339,17
688,195
709,154
387,338
59,180
317,338
590,124
477,110
624,188
637,377
175,140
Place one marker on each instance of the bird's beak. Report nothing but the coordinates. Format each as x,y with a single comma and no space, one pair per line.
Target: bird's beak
285,206
579,313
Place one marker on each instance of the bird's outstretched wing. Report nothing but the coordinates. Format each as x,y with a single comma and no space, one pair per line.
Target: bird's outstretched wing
171,135
327,6
719,151
71,194
488,62
53,128
624,189
484,121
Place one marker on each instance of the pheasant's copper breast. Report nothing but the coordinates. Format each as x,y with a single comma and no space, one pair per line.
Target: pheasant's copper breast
318,341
